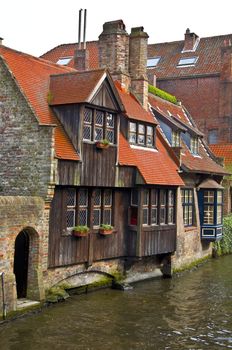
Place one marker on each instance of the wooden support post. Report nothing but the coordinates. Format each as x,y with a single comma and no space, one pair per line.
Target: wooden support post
139,223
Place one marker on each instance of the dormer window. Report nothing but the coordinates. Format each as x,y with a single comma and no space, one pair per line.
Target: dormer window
141,134
98,125
187,61
152,62
175,138
194,145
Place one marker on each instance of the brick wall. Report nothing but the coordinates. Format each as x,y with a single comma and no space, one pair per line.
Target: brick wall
26,158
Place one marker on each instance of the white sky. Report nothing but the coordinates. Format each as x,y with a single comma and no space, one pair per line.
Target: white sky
36,26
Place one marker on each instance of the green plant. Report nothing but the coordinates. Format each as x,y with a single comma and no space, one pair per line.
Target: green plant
224,246
81,228
162,94
106,227
105,142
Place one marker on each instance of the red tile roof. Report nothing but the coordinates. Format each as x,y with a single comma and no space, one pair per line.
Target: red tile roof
32,76
67,50
208,52
223,151
75,87
155,167
133,108
203,163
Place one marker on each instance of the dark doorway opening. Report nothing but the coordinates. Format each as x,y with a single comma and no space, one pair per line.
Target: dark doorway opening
21,263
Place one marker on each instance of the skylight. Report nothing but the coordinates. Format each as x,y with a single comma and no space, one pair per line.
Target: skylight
187,61
153,61
63,61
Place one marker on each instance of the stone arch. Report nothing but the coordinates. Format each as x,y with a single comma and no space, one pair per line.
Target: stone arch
29,238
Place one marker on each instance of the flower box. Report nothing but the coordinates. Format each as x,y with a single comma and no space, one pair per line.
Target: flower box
80,231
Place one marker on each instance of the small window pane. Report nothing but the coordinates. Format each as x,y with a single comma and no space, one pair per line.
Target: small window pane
171,215
83,217
110,135
219,197
133,127
134,197
162,197
70,218
145,197
219,214
83,198
154,216
107,216
87,131
141,129
145,216
153,61
98,134
71,197
96,217
209,214
171,198
149,140
63,61
149,130
97,198
154,196
88,116
110,120
132,138
99,118
187,61
209,196
162,215
108,198
141,139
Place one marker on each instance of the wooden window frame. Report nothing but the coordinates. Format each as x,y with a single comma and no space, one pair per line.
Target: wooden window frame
137,133
186,205
105,126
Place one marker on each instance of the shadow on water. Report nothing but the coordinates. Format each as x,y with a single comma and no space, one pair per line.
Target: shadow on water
192,311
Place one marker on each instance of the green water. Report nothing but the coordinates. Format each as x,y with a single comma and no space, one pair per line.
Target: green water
191,311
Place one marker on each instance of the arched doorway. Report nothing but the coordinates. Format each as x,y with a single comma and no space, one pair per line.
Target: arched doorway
21,256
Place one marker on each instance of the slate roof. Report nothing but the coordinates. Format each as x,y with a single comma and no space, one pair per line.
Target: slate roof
32,76
223,151
208,52
202,163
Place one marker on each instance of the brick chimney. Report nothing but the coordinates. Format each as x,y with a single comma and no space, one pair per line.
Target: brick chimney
114,51
138,64
81,59
191,41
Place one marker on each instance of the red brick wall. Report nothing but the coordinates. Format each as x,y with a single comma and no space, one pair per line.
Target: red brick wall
201,96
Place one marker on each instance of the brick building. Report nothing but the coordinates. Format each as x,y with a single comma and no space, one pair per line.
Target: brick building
157,183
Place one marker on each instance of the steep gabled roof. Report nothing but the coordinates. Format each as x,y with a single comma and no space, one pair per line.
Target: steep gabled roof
208,53
67,50
133,108
32,76
202,163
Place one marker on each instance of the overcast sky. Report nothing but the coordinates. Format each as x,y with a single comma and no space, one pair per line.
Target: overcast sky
36,26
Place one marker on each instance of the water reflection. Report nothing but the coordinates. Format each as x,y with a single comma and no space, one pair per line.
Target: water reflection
192,311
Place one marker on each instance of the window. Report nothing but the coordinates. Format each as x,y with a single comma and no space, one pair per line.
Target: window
152,62
98,125
78,207
158,207
63,61
187,61
194,145
187,203
175,138
140,134
213,136
212,207
219,207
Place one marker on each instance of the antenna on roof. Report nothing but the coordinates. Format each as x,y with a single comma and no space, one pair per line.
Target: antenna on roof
84,33
79,30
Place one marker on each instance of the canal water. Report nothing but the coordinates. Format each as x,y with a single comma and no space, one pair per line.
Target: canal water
191,311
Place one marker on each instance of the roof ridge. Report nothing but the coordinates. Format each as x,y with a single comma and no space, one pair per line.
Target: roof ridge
74,71
37,59
67,44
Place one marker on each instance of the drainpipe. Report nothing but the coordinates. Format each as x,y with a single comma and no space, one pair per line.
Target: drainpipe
3,296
